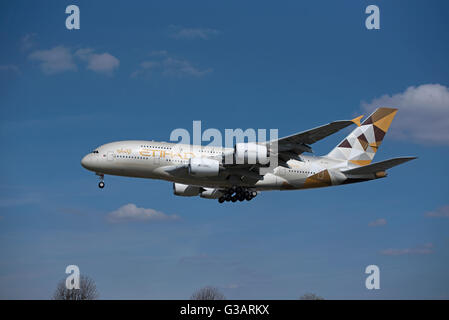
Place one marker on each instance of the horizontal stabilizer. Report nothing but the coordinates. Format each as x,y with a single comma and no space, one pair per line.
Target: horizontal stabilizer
378,166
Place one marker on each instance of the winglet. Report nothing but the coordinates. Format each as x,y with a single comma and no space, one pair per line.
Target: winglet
357,120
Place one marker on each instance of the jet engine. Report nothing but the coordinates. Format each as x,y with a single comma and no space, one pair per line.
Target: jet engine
251,153
204,167
211,193
185,190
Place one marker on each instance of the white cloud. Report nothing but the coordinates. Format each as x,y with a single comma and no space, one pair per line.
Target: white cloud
424,249
378,223
27,41
158,53
101,63
179,32
170,66
84,53
10,68
442,212
150,64
61,59
55,60
177,67
131,212
423,113
145,66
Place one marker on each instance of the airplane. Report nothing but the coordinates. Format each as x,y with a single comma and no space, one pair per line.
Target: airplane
197,170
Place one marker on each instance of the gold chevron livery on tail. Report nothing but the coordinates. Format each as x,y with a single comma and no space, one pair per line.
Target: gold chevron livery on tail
360,146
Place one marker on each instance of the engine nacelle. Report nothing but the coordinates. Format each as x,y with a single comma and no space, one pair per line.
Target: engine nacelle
204,167
211,193
185,190
251,153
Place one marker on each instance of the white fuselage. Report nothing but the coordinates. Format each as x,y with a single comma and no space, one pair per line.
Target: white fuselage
150,159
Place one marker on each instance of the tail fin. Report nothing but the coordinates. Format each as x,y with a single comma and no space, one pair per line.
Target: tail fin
360,146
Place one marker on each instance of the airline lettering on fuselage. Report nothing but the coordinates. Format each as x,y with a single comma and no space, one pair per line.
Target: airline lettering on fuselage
121,150
166,154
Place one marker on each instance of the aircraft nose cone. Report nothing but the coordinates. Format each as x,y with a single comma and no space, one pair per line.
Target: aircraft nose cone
87,161
84,161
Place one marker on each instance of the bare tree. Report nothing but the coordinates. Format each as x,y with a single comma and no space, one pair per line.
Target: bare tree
207,293
310,296
87,290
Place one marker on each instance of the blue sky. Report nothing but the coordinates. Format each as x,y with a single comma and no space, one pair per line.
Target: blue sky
141,69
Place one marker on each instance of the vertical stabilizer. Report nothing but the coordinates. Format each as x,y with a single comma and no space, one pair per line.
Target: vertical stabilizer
360,146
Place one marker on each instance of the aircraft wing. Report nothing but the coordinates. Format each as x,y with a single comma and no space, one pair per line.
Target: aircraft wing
291,146
378,166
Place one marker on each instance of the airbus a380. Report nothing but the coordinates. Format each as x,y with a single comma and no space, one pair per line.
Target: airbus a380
205,172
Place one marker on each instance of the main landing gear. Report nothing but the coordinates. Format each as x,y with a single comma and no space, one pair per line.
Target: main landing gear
101,183
237,194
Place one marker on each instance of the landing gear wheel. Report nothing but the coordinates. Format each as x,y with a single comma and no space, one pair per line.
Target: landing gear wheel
101,185
221,199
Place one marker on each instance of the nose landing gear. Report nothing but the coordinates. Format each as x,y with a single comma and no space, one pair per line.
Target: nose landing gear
101,183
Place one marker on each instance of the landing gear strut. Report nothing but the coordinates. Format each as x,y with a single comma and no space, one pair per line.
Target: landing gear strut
101,183
237,194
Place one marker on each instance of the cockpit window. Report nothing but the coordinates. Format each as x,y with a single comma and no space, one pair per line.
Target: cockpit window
95,151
